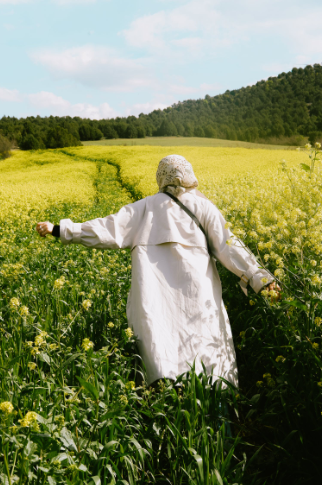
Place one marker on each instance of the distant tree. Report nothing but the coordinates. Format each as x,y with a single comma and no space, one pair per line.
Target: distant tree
210,132
121,128
59,137
109,132
172,129
314,136
199,131
148,130
131,131
180,128
30,142
165,128
188,129
5,147
141,131
96,134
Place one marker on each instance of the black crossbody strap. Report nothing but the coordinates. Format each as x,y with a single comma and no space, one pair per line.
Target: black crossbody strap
191,214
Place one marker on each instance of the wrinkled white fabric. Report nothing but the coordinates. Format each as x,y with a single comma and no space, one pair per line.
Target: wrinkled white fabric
175,304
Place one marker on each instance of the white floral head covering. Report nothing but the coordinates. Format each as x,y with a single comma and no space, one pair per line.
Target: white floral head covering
175,171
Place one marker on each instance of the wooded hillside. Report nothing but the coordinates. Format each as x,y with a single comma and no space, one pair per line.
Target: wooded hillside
288,106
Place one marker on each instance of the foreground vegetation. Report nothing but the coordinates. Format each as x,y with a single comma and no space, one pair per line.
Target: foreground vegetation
282,110
73,401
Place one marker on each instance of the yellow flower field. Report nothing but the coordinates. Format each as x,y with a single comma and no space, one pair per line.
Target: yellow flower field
212,166
36,180
74,405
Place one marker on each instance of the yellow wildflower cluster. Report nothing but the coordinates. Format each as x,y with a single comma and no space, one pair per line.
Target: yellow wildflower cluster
12,271
130,385
59,283
280,358
30,421
6,407
269,381
123,400
14,303
318,321
24,311
129,332
87,344
86,304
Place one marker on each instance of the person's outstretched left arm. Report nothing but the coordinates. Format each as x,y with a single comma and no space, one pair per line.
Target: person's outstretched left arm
112,232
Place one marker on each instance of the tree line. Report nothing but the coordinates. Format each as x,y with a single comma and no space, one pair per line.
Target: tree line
288,107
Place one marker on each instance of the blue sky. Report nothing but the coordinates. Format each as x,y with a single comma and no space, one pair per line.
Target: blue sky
106,58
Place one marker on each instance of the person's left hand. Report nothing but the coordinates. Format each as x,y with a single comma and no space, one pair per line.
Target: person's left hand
44,228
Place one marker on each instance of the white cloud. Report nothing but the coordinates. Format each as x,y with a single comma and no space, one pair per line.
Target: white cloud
181,89
163,29
58,2
72,2
61,107
9,95
95,66
14,2
138,108
210,88
203,28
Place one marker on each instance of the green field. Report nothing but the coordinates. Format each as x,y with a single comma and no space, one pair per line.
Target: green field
173,141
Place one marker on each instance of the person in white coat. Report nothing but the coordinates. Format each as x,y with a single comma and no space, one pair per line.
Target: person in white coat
175,304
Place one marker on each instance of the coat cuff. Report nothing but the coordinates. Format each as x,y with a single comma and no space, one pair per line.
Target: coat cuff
70,232
256,282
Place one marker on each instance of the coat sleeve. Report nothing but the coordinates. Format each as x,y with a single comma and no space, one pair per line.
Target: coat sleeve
235,256
111,232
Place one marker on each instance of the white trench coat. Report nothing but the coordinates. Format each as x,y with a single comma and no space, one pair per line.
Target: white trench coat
175,303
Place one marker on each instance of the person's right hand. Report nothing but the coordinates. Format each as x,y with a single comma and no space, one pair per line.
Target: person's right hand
275,287
44,228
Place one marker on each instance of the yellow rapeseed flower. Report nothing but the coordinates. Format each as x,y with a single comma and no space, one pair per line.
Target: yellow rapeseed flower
14,303
130,385
129,332
6,407
124,399
87,344
86,304
59,283
24,311
280,358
